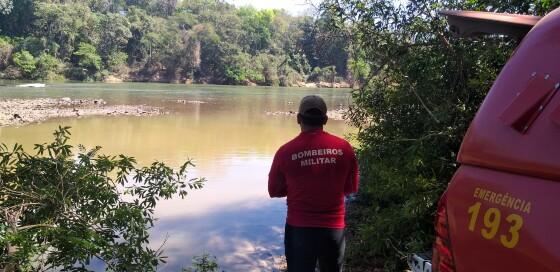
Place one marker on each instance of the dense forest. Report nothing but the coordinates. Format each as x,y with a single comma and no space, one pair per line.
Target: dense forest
200,41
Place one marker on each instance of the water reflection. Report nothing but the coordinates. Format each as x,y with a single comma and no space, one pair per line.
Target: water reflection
231,140
246,235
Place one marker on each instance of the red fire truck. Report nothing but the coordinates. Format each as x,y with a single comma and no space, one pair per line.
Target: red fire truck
497,213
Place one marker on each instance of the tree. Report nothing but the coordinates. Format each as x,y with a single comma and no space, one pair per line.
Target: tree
6,6
16,17
241,69
25,62
269,64
117,61
423,88
141,25
257,28
324,45
163,8
143,4
5,52
87,57
213,53
61,210
48,67
67,26
171,40
115,35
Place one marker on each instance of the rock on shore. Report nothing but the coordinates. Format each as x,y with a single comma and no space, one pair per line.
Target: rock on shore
15,112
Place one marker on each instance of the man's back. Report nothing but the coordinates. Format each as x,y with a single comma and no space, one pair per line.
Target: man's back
315,170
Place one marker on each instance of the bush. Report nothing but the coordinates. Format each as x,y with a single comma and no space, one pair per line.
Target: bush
242,69
5,52
290,77
88,62
48,67
117,61
268,64
33,45
25,62
88,58
60,210
325,74
11,72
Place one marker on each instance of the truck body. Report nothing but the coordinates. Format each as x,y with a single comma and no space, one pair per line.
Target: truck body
499,212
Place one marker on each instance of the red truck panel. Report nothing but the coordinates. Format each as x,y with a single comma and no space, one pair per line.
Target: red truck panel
517,128
503,222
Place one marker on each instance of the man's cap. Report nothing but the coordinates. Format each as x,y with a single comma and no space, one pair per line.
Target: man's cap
312,102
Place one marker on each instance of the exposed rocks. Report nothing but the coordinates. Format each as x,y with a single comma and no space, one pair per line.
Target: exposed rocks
14,112
332,114
112,79
323,84
183,101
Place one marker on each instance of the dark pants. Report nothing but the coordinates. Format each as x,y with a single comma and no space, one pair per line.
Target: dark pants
305,246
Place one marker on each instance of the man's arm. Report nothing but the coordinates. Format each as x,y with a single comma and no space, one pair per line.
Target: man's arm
276,180
351,185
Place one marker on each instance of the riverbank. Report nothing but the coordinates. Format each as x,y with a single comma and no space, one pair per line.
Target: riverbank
17,112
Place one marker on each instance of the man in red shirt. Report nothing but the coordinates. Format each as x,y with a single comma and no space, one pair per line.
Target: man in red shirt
315,171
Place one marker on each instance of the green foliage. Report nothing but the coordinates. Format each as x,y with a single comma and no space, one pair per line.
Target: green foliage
207,41
326,74
48,67
289,76
257,28
203,263
269,68
242,70
163,8
115,34
66,26
25,62
324,45
358,70
60,210
87,58
6,6
6,48
17,22
422,90
117,60
34,45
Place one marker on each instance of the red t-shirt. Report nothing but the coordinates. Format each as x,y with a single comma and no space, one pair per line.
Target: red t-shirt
315,171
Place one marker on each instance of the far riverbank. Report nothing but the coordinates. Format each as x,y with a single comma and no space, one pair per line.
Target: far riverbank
134,78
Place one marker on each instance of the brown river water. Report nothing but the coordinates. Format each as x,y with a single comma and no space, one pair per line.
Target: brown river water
229,135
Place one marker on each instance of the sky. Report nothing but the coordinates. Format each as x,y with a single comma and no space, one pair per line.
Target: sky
294,7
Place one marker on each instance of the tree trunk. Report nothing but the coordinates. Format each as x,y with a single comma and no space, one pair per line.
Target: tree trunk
333,74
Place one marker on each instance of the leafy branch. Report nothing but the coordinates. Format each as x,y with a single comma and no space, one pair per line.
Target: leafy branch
66,209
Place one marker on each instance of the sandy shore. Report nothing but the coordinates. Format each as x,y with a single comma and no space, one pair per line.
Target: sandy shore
17,112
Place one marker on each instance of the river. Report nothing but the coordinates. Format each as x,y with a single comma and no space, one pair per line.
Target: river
226,131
